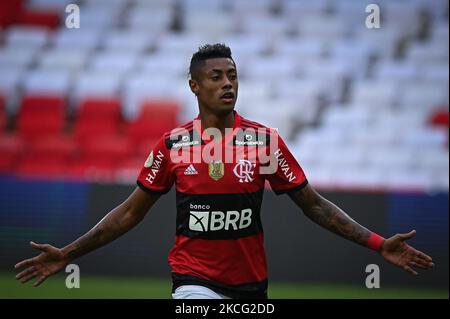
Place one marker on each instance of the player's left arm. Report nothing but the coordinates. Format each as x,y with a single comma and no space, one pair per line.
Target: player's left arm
326,214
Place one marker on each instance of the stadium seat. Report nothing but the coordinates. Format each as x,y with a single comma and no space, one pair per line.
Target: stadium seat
346,117
246,46
143,86
325,27
26,37
48,157
303,49
156,118
96,84
47,82
59,147
120,62
423,95
172,64
41,116
9,11
375,94
261,23
48,168
440,117
99,158
49,18
144,18
63,59
262,67
97,118
128,171
212,24
428,52
130,41
183,43
10,79
11,57
83,38
11,149
100,17
304,8
400,71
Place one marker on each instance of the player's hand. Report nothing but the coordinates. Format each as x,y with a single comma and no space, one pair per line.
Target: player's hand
47,263
398,252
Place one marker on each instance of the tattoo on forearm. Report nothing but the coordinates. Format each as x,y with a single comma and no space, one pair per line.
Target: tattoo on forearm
105,231
331,217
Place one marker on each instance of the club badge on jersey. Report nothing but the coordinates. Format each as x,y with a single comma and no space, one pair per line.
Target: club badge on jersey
216,170
244,170
149,160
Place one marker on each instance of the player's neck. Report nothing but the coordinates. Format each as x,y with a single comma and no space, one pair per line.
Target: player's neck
220,122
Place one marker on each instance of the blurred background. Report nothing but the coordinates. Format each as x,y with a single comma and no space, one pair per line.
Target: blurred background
365,112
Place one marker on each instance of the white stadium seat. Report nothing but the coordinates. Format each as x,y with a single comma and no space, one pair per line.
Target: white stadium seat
13,57
47,81
25,38
63,58
97,84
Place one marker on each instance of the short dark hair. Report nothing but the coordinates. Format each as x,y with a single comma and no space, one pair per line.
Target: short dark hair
208,51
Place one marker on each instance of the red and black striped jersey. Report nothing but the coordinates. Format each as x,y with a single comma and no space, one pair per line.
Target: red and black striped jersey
219,190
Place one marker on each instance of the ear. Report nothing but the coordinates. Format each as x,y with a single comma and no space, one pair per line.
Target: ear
194,87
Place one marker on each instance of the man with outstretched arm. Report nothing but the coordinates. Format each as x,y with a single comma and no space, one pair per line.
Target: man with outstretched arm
219,250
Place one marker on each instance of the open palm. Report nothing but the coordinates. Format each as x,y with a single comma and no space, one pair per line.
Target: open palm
47,263
396,251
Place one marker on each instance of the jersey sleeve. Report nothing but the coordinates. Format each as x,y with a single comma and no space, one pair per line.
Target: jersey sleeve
157,175
289,175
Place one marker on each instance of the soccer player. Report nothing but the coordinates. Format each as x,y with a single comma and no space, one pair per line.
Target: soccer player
219,163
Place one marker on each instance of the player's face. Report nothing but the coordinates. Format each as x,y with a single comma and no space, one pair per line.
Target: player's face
217,85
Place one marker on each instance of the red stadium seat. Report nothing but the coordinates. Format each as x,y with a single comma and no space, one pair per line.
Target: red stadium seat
11,149
60,148
128,170
45,18
41,116
99,158
115,148
145,147
47,157
156,118
43,168
9,11
440,118
94,108
98,117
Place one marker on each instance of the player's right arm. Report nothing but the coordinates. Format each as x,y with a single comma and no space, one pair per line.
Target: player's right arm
117,222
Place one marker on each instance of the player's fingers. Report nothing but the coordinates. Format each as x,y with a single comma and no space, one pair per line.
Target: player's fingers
410,270
42,247
23,263
418,265
423,262
407,236
39,281
25,272
423,256
30,276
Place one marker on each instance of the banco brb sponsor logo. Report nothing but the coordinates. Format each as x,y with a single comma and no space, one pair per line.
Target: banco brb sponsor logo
217,220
